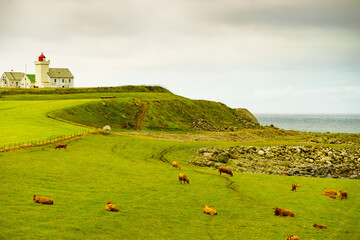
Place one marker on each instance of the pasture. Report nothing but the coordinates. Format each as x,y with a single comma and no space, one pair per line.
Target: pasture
135,173
133,170
23,121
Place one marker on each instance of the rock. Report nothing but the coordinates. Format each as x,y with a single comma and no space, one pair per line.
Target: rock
107,128
354,177
312,161
223,157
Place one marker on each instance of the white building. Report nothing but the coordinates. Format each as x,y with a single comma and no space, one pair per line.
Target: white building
28,81
11,79
44,77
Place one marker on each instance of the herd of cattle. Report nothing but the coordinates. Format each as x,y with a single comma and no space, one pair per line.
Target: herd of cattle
208,210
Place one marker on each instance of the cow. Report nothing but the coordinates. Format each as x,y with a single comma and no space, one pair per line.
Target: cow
175,164
111,207
60,145
43,200
183,178
283,212
225,170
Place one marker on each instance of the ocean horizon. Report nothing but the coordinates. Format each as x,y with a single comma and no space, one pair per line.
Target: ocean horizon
333,123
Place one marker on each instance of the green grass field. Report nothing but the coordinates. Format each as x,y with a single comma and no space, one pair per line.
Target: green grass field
22,121
136,175
134,172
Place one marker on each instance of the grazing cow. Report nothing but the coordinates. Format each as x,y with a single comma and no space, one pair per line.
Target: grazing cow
175,164
43,200
319,226
344,194
183,178
60,145
294,186
111,207
225,170
292,237
208,210
283,212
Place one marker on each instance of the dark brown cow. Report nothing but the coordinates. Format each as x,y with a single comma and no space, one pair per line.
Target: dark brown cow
283,212
225,170
319,226
61,145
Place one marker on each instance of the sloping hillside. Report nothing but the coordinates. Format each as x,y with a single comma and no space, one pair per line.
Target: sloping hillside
175,114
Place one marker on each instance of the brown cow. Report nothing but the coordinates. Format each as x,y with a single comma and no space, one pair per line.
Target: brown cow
329,194
183,178
175,164
319,226
339,195
225,170
292,237
60,145
343,194
294,186
111,207
208,210
332,192
43,200
283,212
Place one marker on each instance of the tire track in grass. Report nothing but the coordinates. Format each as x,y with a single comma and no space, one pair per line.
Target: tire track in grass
113,148
208,227
229,186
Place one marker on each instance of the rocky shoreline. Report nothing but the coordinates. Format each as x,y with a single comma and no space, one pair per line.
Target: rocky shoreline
308,161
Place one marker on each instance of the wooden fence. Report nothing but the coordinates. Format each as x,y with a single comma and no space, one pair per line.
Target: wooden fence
48,141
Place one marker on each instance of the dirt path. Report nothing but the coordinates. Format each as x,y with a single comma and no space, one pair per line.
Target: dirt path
140,116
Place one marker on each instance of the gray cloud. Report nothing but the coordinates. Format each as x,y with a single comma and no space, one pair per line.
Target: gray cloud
242,52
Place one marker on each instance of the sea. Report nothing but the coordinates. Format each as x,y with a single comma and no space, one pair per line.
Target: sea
333,123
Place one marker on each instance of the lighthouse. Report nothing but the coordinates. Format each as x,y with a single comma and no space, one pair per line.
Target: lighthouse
41,72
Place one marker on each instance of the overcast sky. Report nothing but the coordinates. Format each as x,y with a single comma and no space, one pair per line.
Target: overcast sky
275,56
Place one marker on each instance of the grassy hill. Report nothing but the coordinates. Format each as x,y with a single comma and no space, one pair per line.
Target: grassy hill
175,114
150,107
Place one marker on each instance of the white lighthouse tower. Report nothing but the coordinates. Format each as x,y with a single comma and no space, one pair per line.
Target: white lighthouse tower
41,72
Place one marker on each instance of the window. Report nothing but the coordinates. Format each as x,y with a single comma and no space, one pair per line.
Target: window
63,80
55,80
69,80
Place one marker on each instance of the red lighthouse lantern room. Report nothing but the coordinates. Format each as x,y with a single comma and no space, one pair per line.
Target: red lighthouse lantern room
42,57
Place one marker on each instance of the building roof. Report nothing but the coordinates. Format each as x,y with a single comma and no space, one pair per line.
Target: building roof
60,73
31,77
14,76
